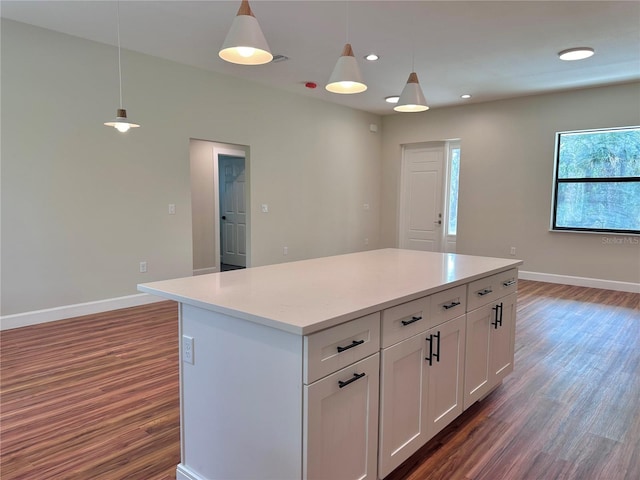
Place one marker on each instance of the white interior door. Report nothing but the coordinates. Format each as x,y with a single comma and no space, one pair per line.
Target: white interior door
421,219
233,211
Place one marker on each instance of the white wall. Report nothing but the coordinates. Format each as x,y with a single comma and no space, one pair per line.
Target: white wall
82,205
506,177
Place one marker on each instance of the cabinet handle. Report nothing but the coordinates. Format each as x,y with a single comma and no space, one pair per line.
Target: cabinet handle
484,292
508,283
355,343
498,318
451,305
430,357
432,354
409,322
355,377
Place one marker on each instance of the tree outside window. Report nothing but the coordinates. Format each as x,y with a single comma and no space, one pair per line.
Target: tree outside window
597,181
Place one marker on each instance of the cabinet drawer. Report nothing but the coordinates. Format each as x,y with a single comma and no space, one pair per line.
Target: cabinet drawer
488,289
337,347
448,304
405,320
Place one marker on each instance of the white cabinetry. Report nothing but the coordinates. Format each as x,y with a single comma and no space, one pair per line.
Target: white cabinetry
403,397
335,368
340,415
445,375
490,334
421,376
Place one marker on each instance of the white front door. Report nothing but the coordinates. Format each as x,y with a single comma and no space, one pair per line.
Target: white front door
233,211
421,220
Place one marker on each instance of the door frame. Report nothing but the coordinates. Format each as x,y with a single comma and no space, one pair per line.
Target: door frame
221,202
402,214
231,151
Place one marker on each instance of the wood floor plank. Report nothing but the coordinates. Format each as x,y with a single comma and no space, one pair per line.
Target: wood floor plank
97,397
93,397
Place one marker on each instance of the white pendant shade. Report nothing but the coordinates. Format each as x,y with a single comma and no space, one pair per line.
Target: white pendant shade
346,77
245,43
412,99
121,123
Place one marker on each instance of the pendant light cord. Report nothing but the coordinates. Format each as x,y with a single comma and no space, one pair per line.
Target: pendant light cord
119,62
347,5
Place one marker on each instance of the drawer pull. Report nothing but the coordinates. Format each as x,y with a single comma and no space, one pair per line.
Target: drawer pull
409,322
484,292
508,283
451,305
355,343
355,377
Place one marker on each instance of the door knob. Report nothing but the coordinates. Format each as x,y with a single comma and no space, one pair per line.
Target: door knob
224,217
438,222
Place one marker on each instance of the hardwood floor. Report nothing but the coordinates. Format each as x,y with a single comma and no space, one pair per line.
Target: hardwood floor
97,397
92,398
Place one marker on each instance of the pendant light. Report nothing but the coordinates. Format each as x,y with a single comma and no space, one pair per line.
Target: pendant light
346,77
121,123
412,99
245,43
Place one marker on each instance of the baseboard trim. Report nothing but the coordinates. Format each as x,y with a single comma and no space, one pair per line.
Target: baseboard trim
185,473
581,281
205,271
35,317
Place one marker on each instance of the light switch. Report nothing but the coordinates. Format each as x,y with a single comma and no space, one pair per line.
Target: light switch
265,208
172,209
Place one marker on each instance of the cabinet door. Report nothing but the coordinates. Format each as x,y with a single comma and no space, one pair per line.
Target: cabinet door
445,373
341,424
402,402
490,343
503,339
477,369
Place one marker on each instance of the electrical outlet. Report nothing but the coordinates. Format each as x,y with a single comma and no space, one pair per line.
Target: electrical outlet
143,267
513,250
187,349
366,241
285,250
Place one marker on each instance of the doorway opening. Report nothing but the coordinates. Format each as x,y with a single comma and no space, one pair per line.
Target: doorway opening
219,205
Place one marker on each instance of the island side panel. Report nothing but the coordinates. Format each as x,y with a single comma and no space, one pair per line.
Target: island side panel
241,400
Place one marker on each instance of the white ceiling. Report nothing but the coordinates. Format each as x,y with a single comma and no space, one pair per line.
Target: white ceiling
491,50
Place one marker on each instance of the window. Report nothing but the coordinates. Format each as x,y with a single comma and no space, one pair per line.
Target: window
597,181
454,173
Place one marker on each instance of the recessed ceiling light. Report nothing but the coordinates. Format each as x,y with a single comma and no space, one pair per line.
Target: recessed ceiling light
578,53
372,57
392,99
466,95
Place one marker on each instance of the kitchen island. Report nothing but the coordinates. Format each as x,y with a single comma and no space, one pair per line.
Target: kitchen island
336,367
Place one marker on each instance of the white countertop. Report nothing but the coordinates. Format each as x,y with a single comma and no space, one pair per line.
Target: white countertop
310,295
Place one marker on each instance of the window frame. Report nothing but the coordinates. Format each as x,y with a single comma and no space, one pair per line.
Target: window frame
585,180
